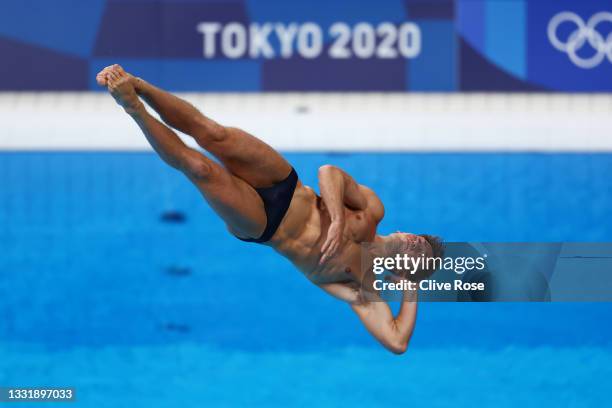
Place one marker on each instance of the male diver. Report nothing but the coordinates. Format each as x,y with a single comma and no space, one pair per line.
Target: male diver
259,196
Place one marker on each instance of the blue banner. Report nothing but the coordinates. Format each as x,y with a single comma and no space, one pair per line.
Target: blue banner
315,45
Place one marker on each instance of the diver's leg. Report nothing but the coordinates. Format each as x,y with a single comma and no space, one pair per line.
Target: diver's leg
241,153
235,201
245,155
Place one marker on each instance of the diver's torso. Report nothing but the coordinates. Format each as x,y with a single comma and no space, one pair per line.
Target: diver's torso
304,230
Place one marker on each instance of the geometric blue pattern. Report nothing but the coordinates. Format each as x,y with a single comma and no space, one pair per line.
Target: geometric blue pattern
65,26
67,40
506,35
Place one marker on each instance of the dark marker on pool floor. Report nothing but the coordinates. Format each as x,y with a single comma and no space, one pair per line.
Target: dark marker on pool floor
173,217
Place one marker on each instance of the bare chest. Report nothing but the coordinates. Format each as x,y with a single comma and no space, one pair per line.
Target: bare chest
359,227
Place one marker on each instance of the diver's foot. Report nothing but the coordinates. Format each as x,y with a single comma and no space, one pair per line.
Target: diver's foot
102,76
120,84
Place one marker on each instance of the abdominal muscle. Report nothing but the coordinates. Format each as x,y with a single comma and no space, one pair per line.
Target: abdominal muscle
303,231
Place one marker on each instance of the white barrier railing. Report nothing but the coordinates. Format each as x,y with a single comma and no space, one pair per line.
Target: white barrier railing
329,122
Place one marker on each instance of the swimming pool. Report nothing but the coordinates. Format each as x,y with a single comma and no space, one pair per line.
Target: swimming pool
99,293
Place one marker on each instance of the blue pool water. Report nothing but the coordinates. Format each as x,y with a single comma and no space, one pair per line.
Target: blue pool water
97,293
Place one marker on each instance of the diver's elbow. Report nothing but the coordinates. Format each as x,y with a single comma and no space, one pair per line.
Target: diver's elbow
398,347
327,168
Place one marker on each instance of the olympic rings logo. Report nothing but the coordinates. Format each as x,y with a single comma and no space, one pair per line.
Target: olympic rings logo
584,32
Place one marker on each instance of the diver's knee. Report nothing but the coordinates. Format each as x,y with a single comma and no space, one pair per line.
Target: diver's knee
197,167
210,132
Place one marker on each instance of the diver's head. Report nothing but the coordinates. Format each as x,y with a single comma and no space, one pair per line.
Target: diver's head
424,246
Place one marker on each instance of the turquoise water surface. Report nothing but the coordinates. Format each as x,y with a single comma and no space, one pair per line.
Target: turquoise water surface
98,292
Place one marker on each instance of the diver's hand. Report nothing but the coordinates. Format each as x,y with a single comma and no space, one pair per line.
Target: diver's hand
335,238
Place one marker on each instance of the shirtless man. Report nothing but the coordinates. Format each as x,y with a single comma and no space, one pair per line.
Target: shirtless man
258,195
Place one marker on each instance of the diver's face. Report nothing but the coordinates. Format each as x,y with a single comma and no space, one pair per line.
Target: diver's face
413,246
